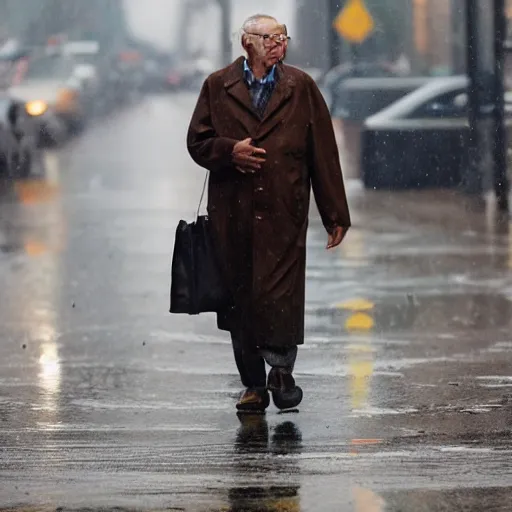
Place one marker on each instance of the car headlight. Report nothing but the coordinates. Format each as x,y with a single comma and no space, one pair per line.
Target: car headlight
36,108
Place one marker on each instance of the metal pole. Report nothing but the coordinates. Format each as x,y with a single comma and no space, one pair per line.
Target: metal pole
471,172
334,7
225,6
354,54
182,32
501,186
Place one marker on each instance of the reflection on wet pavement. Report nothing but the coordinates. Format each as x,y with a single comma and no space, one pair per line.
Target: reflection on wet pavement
470,500
254,437
365,500
106,400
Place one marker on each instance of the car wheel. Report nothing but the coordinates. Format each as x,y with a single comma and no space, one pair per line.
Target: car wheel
24,165
49,140
4,165
76,126
45,139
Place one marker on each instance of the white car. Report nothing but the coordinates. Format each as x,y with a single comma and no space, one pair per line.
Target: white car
53,93
85,55
422,140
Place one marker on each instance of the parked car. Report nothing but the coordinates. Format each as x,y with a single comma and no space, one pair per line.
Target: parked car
93,68
356,99
357,91
10,63
129,66
18,138
161,75
51,89
193,72
421,140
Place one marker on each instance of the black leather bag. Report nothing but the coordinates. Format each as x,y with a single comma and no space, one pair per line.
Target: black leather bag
196,282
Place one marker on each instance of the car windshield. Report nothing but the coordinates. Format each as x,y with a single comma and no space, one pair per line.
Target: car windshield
411,102
85,58
48,69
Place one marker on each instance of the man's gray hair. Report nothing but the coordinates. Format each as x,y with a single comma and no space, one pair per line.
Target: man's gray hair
253,20
250,23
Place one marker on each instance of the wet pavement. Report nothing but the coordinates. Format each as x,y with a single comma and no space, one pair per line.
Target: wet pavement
108,401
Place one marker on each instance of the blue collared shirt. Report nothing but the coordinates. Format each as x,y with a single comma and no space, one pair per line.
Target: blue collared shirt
260,89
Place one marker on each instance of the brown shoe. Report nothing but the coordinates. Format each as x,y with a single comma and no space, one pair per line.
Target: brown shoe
285,393
253,400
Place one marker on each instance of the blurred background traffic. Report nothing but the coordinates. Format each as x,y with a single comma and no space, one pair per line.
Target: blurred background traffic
409,111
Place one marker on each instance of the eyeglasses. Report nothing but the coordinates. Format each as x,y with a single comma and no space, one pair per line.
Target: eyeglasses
276,38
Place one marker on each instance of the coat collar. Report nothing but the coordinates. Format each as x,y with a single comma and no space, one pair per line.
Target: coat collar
249,77
236,87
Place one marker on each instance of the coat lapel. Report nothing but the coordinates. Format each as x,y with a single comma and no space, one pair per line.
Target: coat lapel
282,93
236,88
240,92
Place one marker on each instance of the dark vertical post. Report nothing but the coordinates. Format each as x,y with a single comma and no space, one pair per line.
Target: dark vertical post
354,54
501,186
334,7
471,172
182,32
225,7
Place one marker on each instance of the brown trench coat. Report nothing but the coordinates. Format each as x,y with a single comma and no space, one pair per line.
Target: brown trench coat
260,221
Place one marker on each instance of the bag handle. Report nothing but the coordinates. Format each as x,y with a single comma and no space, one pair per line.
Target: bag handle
202,195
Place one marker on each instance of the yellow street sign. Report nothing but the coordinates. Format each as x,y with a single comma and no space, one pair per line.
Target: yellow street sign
354,23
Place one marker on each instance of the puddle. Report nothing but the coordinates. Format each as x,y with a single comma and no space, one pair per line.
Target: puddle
495,381
378,411
169,406
500,378
465,449
56,427
437,312
189,337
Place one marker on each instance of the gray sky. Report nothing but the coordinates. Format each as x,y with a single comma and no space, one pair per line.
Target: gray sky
156,20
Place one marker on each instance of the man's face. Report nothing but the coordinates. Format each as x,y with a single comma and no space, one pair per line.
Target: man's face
269,50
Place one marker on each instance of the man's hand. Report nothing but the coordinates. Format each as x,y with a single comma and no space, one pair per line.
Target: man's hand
336,237
247,158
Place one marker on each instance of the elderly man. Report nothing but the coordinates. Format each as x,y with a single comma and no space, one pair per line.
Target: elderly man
263,131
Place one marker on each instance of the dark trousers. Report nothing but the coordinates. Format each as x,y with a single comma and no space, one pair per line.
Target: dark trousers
251,362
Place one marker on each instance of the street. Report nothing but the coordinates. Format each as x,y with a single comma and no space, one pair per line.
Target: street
106,400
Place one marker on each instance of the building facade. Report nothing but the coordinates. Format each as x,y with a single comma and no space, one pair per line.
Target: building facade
432,35
439,28
34,22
